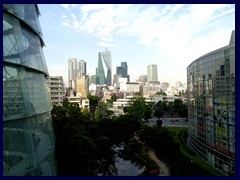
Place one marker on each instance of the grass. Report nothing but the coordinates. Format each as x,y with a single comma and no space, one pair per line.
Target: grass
199,166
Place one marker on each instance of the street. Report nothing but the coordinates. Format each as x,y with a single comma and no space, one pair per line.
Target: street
178,122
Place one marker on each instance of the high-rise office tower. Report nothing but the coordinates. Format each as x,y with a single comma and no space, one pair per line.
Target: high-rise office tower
152,73
83,67
104,70
211,107
122,70
75,68
28,136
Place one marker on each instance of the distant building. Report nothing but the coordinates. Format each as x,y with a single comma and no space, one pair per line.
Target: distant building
164,86
178,84
28,137
82,84
56,89
151,87
152,73
104,70
75,68
211,107
154,98
132,87
123,84
92,79
142,79
122,71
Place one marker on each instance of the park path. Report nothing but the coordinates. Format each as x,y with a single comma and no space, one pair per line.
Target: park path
163,169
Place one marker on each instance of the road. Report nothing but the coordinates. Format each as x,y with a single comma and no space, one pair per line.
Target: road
177,122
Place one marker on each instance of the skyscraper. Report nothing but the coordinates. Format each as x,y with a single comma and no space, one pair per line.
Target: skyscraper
152,73
104,70
28,136
122,70
75,68
211,107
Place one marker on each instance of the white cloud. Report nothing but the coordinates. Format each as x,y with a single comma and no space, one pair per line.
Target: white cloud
104,44
65,5
179,33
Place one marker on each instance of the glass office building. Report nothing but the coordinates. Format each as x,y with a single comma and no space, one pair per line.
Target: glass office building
104,70
211,107
28,137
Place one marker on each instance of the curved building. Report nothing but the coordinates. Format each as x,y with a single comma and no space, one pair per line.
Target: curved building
211,107
28,137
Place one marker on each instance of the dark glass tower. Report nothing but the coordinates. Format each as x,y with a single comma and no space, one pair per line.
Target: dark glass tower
123,70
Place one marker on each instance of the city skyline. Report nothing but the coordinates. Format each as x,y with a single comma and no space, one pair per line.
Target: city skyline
171,35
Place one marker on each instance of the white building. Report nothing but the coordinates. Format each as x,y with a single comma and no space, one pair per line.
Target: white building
56,89
132,87
151,87
75,68
154,98
123,83
152,73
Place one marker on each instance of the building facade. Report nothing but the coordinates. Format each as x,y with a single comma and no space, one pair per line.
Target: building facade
122,70
142,79
132,87
152,73
82,84
56,89
75,68
28,136
211,107
164,86
151,87
104,70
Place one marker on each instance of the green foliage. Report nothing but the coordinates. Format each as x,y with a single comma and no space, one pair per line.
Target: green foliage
93,102
148,112
85,114
97,115
162,136
137,107
180,108
158,112
114,97
161,93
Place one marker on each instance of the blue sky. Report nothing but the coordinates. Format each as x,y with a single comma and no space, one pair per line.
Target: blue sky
171,36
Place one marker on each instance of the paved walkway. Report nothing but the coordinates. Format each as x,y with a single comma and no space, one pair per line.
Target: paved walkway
163,169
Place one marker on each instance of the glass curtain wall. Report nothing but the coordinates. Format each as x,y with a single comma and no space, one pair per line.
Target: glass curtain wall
211,107
28,136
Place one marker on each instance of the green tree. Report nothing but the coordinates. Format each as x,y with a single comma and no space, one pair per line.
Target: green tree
137,107
93,102
97,115
177,105
114,97
161,93
148,112
158,112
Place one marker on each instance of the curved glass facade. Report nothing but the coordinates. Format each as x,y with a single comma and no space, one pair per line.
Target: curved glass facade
211,108
28,136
